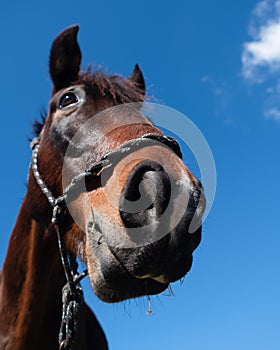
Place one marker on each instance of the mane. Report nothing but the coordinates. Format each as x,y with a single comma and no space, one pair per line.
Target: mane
119,89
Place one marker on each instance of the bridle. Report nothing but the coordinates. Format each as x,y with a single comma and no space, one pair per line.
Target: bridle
72,293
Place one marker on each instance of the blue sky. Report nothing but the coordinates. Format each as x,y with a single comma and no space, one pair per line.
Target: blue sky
218,62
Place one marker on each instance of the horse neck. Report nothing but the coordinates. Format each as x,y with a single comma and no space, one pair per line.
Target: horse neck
30,289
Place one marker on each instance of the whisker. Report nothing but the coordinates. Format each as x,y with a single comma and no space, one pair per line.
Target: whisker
182,280
171,293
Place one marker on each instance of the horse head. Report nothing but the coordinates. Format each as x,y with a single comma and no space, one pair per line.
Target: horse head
130,222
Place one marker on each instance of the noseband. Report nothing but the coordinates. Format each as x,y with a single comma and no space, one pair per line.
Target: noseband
72,293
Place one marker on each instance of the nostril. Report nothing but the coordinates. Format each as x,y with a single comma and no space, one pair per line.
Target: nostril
145,195
140,194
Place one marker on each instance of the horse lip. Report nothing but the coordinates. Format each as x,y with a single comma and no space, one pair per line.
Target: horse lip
98,241
95,233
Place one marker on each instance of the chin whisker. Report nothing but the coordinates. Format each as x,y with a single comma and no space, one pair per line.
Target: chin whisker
170,292
182,280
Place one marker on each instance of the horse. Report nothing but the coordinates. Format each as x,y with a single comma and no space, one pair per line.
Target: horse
109,196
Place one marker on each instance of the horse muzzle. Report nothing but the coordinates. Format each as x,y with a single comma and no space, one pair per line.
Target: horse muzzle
152,243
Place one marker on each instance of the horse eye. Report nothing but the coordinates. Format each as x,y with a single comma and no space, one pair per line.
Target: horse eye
68,99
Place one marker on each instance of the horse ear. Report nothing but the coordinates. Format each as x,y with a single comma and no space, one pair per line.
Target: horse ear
138,78
65,58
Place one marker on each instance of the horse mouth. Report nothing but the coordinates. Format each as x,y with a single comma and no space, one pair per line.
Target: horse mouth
117,274
110,278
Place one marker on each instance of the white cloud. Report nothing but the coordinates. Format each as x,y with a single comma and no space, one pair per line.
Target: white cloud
264,9
261,55
220,90
261,8
273,114
217,86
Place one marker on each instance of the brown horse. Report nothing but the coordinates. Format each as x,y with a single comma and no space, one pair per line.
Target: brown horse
120,216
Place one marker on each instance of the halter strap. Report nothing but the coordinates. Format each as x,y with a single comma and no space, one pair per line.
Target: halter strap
72,293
